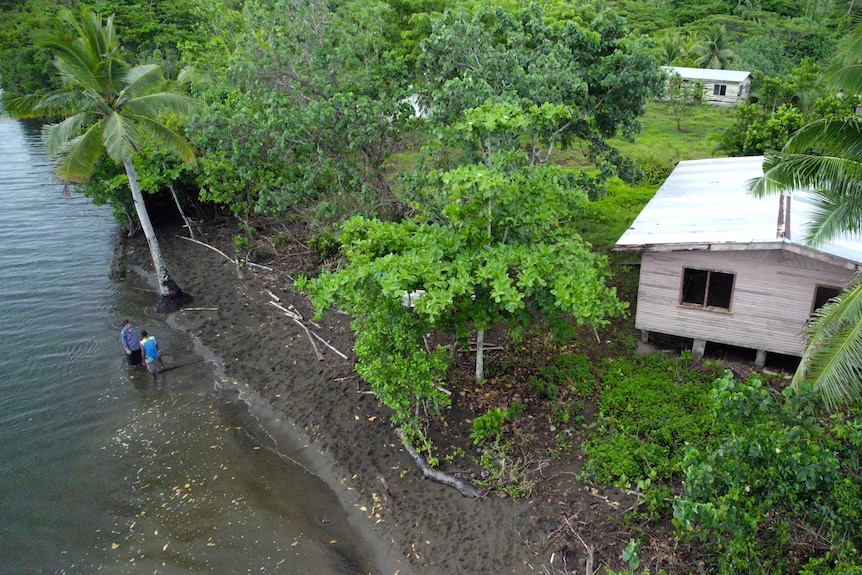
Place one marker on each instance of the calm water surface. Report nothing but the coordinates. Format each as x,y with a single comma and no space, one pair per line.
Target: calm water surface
100,468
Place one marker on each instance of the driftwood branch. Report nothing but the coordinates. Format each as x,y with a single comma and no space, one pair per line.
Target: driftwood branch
300,324
590,550
267,268
215,249
465,487
206,245
327,344
295,316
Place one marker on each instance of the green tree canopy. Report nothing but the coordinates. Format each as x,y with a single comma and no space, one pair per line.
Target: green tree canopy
597,72
713,49
313,109
500,246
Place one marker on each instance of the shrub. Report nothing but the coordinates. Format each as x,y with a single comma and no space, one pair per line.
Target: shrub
324,244
571,371
488,426
655,172
649,409
548,389
781,489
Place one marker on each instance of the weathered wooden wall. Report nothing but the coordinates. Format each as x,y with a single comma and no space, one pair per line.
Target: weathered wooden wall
772,297
732,95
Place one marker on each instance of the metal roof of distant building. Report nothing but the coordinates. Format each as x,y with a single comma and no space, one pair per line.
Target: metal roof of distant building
705,205
709,74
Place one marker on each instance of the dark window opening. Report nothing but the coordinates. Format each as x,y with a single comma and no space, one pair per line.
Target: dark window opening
822,295
719,90
706,288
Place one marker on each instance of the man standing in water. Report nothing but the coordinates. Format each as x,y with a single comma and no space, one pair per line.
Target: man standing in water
151,353
131,343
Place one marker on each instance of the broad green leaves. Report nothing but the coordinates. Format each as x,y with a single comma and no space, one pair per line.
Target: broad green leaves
782,469
498,244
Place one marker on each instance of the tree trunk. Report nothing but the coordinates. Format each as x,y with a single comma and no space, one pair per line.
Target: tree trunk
187,221
480,355
171,297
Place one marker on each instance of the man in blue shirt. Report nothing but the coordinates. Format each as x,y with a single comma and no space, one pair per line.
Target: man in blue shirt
151,353
131,343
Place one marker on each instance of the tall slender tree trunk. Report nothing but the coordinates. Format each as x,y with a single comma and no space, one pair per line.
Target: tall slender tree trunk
171,297
480,355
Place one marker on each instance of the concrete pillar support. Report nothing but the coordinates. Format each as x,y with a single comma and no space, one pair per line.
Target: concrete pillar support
644,336
697,349
760,359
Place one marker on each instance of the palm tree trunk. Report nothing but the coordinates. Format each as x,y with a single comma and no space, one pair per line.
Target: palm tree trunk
171,297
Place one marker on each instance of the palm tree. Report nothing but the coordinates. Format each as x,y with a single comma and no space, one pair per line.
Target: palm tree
826,156
670,48
108,108
713,50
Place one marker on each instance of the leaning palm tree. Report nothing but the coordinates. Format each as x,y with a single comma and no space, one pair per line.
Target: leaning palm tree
826,157
108,107
712,50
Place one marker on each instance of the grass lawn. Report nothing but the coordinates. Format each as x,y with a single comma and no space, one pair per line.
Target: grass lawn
661,139
661,142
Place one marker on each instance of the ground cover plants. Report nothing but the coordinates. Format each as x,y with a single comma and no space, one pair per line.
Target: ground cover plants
780,491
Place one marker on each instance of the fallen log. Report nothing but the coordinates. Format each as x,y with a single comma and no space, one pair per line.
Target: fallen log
465,487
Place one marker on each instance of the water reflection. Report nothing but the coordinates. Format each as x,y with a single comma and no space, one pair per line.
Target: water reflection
102,469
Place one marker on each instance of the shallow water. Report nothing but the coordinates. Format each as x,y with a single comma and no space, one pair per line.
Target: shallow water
104,469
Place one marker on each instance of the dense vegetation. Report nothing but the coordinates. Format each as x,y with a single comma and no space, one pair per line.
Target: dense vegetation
474,153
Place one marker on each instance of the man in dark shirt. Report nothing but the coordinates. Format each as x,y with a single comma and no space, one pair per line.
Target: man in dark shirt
131,343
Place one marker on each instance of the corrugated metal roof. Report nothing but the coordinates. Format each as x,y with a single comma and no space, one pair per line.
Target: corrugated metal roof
705,204
707,74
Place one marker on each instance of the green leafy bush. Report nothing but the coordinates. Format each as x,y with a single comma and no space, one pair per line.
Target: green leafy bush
565,412
649,409
781,489
572,372
488,426
655,172
324,244
546,388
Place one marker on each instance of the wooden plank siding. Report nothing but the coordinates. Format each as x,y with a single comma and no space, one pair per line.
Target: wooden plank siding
731,97
773,293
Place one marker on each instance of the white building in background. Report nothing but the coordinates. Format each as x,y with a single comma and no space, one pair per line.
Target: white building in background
720,87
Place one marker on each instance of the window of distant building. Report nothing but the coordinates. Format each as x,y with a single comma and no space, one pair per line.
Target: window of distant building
719,90
707,289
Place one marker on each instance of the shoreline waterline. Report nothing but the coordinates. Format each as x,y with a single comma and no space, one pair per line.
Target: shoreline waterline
290,441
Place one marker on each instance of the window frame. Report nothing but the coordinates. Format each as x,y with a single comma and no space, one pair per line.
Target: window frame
818,287
704,305
719,89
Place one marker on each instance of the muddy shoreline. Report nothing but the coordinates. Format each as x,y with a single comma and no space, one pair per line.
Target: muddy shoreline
415,526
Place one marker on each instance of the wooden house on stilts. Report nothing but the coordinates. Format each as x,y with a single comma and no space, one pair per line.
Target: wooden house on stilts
722,266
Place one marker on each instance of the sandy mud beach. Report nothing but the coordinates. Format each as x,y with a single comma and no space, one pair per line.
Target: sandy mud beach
418,526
